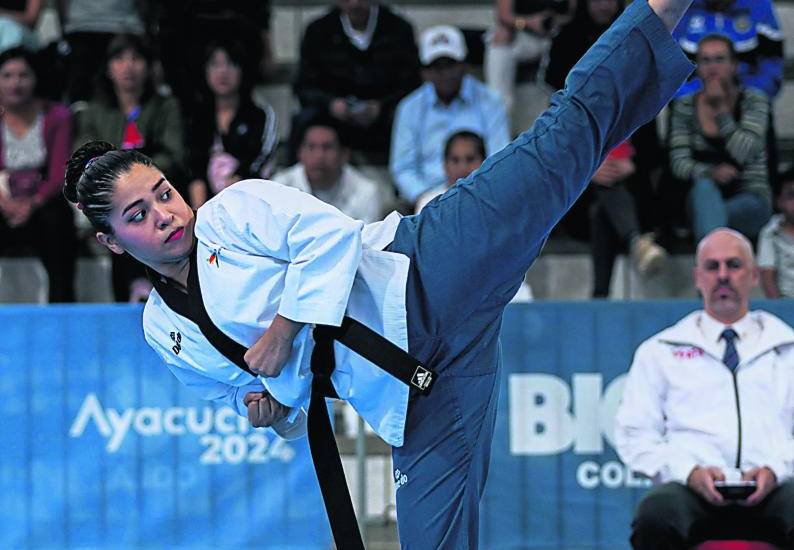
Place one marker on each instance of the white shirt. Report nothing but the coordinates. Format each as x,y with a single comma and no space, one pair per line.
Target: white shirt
275,249
354,194
776,251
679,405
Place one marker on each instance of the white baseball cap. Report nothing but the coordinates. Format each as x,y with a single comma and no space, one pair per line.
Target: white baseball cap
442,41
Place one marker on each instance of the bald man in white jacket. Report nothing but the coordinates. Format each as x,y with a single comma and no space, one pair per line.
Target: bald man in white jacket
695,414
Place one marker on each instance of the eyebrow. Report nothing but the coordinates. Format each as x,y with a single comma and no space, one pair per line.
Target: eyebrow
133,204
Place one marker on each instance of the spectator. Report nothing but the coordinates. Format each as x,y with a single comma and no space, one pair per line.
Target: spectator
323,171
776,245
592,18
450,100
88,27
18,19
189,26
522,32
680,423
717,143
231,138
464,152
622,210
128,112
754,30
35,143
357,62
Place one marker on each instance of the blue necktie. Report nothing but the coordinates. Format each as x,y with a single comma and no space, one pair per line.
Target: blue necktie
730,358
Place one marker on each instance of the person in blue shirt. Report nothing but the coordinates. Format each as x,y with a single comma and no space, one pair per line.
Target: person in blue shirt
450,100
272,261
754,30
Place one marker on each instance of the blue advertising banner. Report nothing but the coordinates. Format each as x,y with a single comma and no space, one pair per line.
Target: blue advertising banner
555,481
101,447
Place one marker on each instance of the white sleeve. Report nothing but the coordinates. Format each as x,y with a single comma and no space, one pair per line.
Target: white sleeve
232,396
640,424
321,246
766,250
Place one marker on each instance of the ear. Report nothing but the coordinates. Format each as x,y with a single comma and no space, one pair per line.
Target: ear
756,275
109,242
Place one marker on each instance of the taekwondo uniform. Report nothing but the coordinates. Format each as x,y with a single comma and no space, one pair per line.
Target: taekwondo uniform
435,283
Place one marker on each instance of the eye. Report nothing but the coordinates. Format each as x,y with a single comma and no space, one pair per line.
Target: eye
165,195
734,263
138,216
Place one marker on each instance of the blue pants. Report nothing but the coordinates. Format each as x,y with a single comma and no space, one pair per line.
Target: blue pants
708,209
455,299
470,249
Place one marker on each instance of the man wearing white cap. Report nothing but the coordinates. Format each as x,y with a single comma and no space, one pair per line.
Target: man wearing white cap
449,101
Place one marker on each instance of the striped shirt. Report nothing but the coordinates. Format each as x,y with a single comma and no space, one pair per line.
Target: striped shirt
741,142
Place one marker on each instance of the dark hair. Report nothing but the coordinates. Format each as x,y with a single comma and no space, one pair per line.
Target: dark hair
717,37
91,175
19,53
120,43
475,138
324,121
236,53
27,56
785,177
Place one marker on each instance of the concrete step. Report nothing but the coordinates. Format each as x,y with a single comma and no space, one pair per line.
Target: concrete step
24,280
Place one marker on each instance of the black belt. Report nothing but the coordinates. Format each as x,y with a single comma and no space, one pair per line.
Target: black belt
322,443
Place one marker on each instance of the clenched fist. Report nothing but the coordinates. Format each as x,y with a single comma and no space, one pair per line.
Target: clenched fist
263,409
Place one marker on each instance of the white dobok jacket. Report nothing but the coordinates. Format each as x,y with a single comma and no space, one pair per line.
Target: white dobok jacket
263,249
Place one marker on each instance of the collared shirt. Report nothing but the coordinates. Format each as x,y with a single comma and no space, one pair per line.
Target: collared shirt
776,251
361,39
264,249
423,123
354,194
748,331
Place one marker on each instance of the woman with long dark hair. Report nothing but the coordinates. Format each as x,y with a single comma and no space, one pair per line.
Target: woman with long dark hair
231,137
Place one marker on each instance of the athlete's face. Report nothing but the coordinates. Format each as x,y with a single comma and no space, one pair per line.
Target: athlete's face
150,220
463,158
725,274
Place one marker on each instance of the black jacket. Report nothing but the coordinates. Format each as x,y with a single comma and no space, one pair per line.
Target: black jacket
331,67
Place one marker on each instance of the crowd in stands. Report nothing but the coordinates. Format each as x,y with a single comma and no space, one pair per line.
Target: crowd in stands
176,81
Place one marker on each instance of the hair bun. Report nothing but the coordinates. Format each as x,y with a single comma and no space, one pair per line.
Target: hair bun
77,166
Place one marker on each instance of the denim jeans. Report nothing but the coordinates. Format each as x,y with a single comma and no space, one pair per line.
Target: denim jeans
708,209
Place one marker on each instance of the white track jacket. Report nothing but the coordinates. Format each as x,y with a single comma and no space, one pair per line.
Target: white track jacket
682,407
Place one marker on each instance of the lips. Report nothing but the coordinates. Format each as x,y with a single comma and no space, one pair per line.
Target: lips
723,291
175,235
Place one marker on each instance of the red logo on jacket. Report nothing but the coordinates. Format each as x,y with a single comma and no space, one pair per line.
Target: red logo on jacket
687,352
